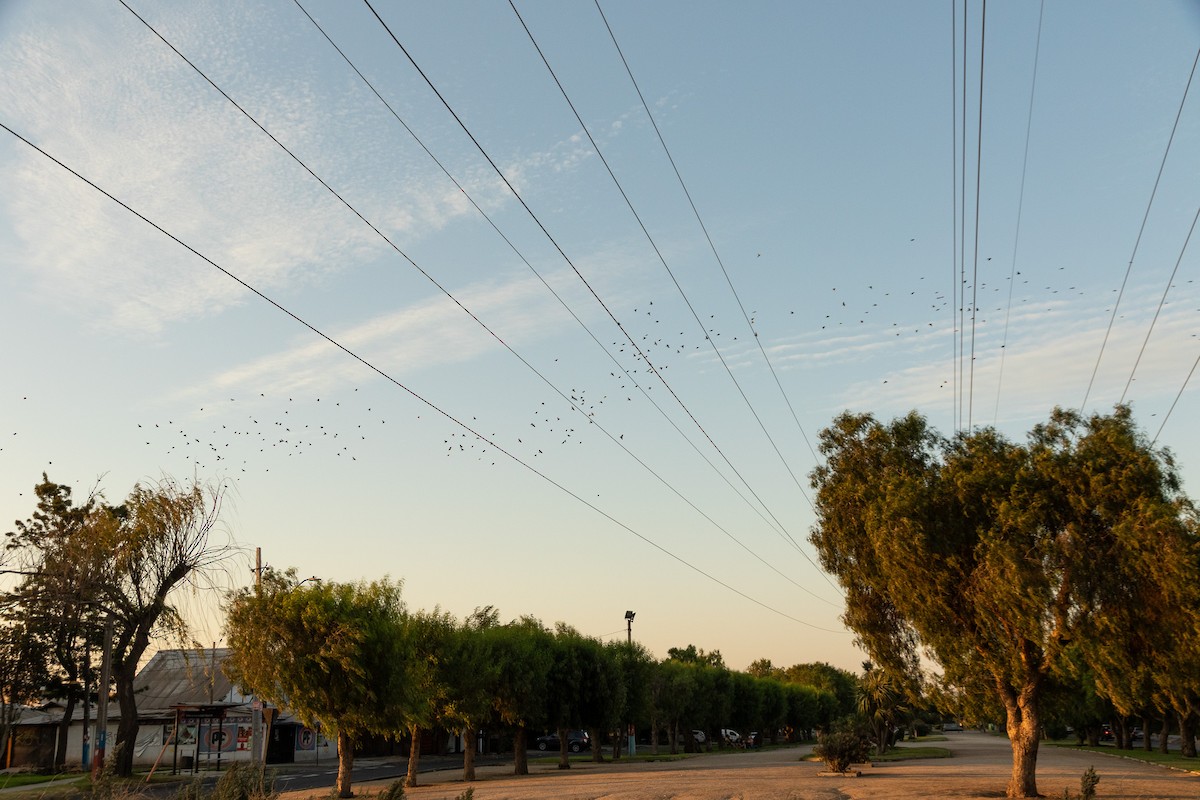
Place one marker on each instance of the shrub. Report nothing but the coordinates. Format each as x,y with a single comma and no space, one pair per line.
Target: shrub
846,744
244,781
393,791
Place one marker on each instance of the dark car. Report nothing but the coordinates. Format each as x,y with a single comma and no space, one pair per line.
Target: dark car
577,741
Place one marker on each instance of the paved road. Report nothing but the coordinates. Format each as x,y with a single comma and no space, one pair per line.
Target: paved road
978,770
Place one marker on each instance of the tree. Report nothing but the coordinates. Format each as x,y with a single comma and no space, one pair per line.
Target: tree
22,674
335,653
470,670
880,702
57,601
430,634
839,683
524,657
993,556
160,539
121,564
692,655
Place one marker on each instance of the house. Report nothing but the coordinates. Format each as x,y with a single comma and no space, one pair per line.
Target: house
190,715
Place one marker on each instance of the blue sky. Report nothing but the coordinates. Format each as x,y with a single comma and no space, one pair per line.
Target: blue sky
818,143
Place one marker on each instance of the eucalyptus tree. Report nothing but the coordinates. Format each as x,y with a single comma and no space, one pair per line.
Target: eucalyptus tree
338,654
995,557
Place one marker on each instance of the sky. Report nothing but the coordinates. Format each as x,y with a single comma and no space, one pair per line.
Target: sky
487,299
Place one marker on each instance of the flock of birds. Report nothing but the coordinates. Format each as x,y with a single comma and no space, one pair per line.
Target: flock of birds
233,435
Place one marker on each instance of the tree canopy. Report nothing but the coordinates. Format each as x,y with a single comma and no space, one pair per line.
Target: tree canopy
996,557
334,653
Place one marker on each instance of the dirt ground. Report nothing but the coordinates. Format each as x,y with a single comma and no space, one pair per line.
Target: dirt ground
979,769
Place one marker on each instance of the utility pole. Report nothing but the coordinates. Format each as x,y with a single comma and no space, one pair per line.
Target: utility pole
256,714
102,704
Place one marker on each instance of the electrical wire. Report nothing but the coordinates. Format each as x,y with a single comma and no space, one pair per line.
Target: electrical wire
1012,275
1141,229
616,439
978,187
712,246
1162,301
1174,402
564,395
595,295
397,383
662,260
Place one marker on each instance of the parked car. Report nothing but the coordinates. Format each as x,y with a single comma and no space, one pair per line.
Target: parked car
951,726
731,736
699,737
577,741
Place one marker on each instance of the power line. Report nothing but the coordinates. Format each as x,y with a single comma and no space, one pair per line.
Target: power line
1141,229
1161,302
712,246
1037,49
978,186
633,343
564,395
628,375
394,381
662,260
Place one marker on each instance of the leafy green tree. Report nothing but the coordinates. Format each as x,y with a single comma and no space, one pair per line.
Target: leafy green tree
994,556
692,655
635,668
470,668
762,668
840,683
430,634
335,653
61,564
524,658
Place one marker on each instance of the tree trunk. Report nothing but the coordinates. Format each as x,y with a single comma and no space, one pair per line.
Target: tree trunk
1024,726
564,760
1166,731
414,755
673,730
1187,735
654,737
345,763
64,729
597,750
469,744
127,727
521,752
1146,733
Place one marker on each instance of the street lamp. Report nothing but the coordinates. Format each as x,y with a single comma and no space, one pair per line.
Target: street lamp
629,615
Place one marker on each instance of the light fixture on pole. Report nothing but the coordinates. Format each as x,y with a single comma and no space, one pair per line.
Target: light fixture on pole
629,615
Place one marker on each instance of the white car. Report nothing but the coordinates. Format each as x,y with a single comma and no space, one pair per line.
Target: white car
730,736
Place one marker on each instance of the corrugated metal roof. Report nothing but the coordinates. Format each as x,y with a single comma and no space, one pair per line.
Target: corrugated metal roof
182,677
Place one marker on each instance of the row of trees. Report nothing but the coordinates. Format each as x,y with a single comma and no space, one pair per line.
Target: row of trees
79,568
350,657
1070,562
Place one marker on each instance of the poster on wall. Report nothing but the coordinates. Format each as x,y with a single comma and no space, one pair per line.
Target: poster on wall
215,738
306,739
187,734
